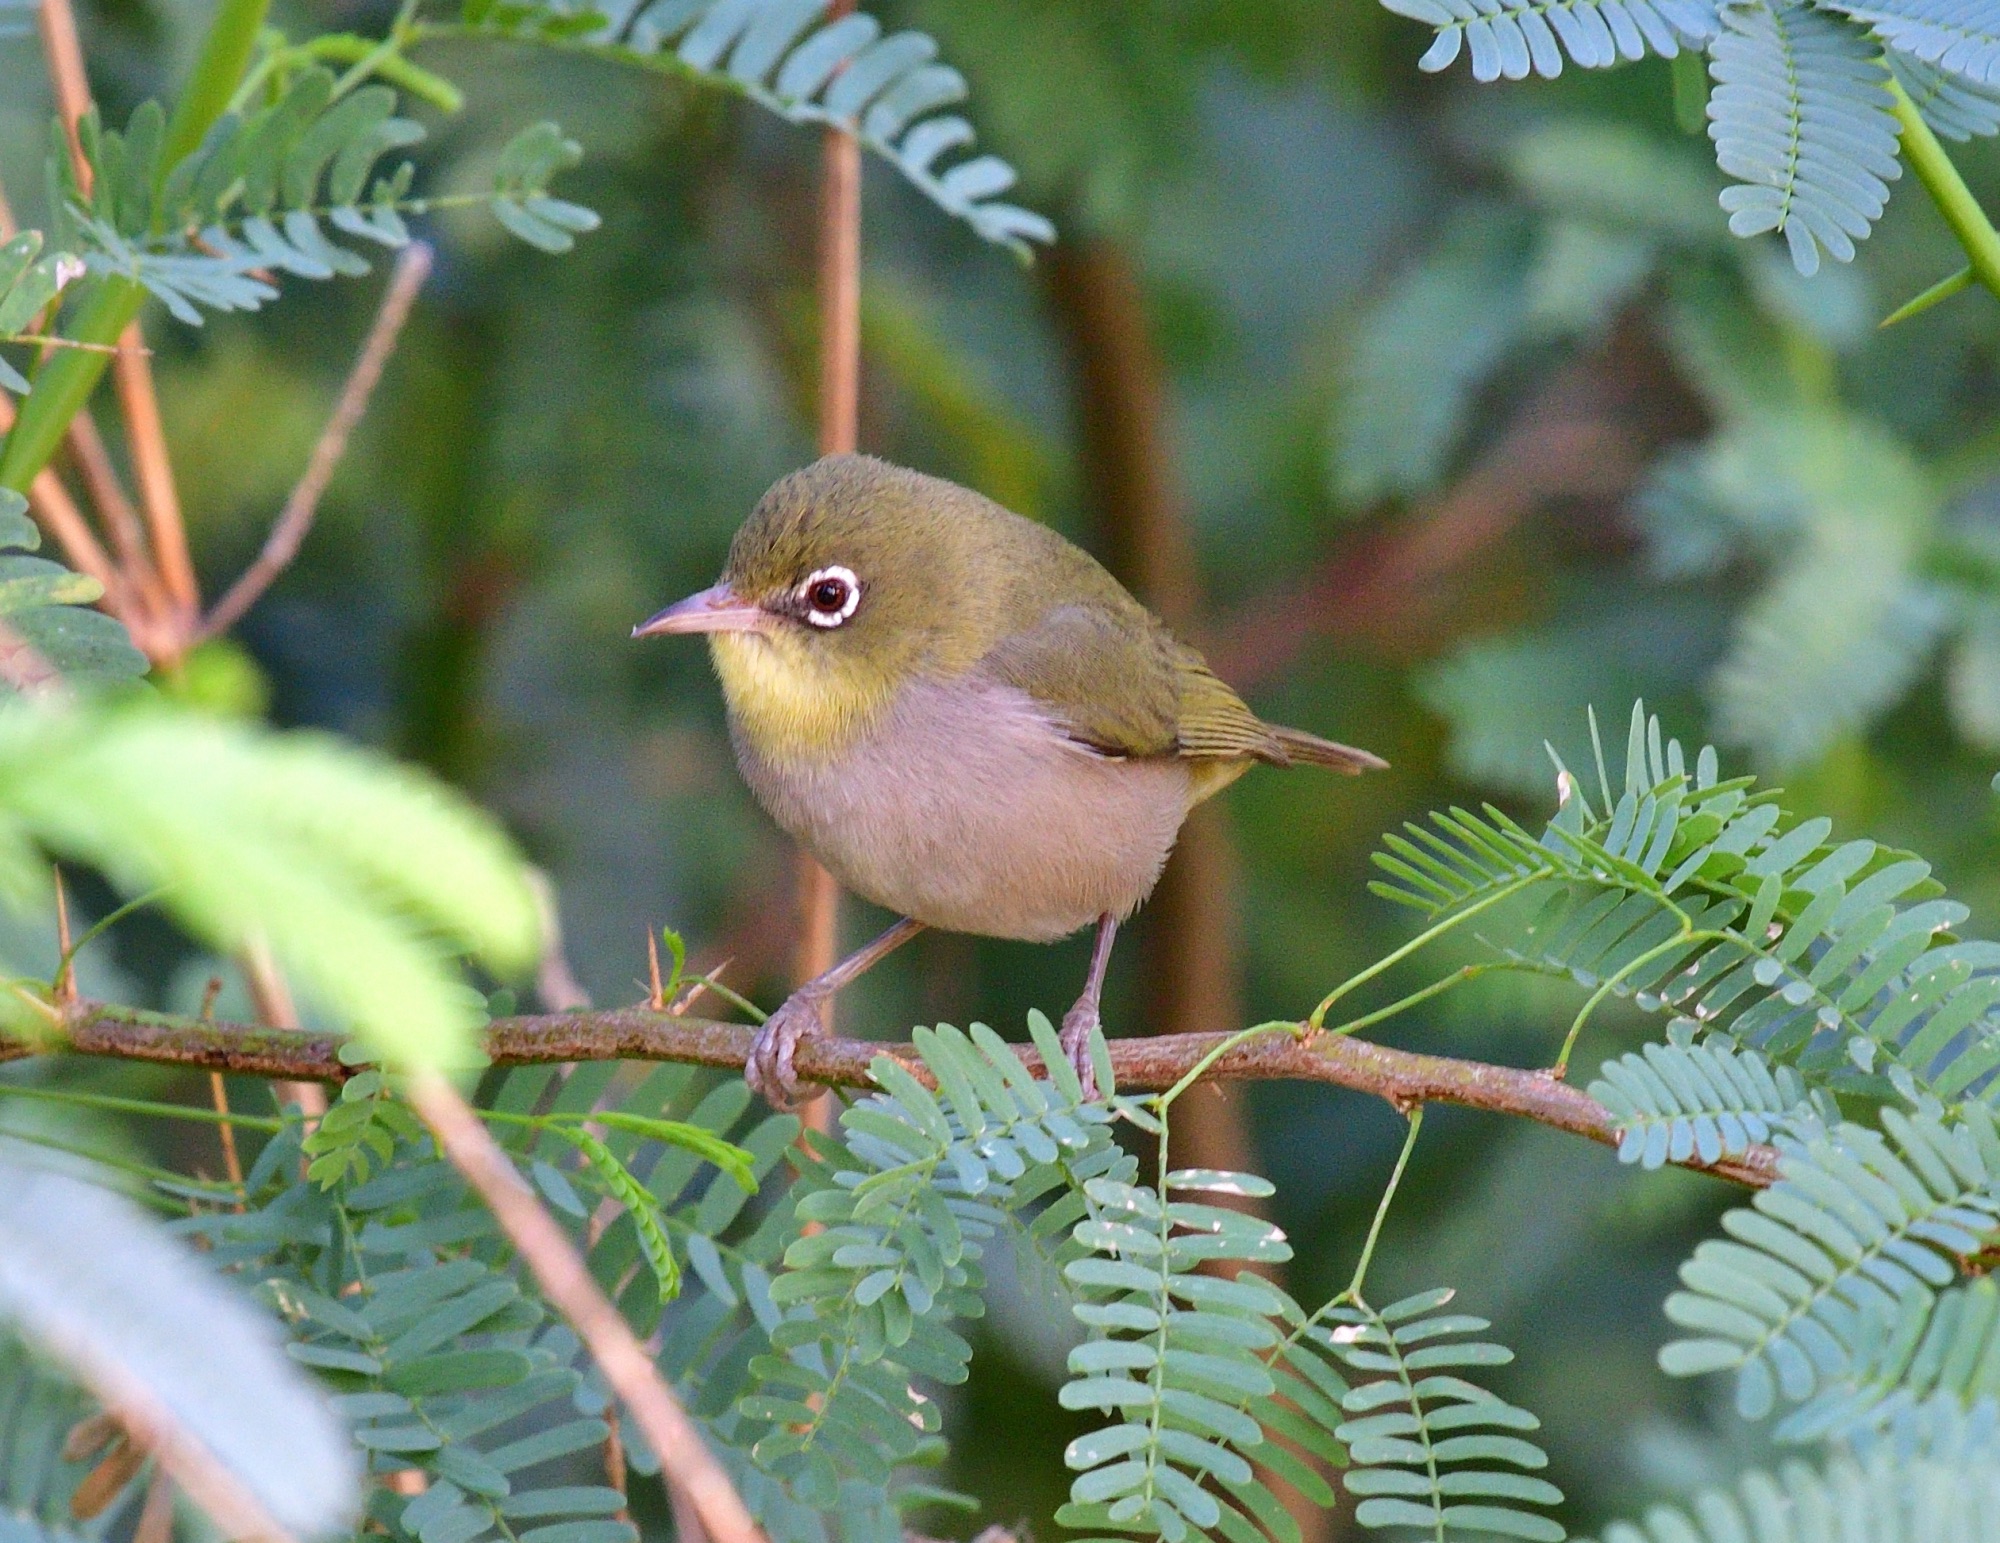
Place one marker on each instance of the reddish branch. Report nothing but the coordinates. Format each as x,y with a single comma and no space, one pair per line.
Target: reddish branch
282,545
691,1468
1403,1077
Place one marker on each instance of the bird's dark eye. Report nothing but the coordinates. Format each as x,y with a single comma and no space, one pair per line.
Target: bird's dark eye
830,596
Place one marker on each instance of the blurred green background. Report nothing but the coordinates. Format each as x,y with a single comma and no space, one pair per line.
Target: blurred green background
1439,414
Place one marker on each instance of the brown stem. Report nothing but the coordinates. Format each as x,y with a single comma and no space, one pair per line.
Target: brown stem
114,507
232,1165
271,996
64,52
282,545
1402,1077
132,369
676,1440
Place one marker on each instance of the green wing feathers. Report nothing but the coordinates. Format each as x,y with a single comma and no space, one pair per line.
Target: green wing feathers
1310,750
1216,724
1124,685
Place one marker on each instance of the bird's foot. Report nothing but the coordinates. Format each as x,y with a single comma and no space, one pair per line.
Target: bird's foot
1078,1024
770,1071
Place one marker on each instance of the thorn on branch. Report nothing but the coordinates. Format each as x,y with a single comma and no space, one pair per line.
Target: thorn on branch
63,987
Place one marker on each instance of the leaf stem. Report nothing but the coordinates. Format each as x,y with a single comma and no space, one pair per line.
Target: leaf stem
1353,1291
1217,1052
1458,977
1429,935
1947,189
145,1106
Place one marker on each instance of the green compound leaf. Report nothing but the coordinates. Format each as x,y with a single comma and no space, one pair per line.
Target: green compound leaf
1428,1446
797,59
1838,1258
1800,114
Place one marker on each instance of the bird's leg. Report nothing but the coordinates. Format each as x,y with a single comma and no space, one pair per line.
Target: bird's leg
769,1070
1079,1022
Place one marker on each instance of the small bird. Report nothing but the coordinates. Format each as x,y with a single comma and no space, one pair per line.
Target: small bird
964,718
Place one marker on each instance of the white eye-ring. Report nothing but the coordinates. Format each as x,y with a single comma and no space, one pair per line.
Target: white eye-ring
830,595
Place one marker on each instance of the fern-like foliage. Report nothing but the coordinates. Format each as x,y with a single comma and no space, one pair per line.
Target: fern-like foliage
259,193
47,606
1890,1498
1430,1448
1801,115
795,58
905,1204
404,1297
1929,1354
1801,112
1178,1356
1952,105
1961,37
1684,1100
1512,37
1855,1224
1701,896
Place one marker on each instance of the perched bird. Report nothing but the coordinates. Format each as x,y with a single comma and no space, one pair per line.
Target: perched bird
963,717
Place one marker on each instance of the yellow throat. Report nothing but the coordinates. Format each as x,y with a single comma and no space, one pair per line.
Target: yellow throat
796,707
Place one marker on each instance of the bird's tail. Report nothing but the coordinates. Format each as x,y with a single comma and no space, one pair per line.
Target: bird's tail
1303,749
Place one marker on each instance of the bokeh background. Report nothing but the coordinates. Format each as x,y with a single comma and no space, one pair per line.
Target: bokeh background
1438,413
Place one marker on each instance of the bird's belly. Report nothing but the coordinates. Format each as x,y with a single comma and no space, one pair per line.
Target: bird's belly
967,809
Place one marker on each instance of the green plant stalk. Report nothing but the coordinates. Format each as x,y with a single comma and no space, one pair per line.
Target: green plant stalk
64,383
1947,188
225,54
145,1106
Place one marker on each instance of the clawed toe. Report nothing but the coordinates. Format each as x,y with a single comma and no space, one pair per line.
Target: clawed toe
770,1070
1078,1024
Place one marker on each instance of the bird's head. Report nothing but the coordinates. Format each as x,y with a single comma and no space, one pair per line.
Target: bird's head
850,578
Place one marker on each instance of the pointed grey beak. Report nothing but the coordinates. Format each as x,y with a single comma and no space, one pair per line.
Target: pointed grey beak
715,609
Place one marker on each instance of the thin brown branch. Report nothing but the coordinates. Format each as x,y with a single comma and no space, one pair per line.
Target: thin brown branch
64,51
271,996
555,982
132,369
413,266
114,507
685,1459
1402,1077
158,636
65,983
156,1516
232,1164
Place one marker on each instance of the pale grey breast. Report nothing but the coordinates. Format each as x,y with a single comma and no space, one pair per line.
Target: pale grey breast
969,809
